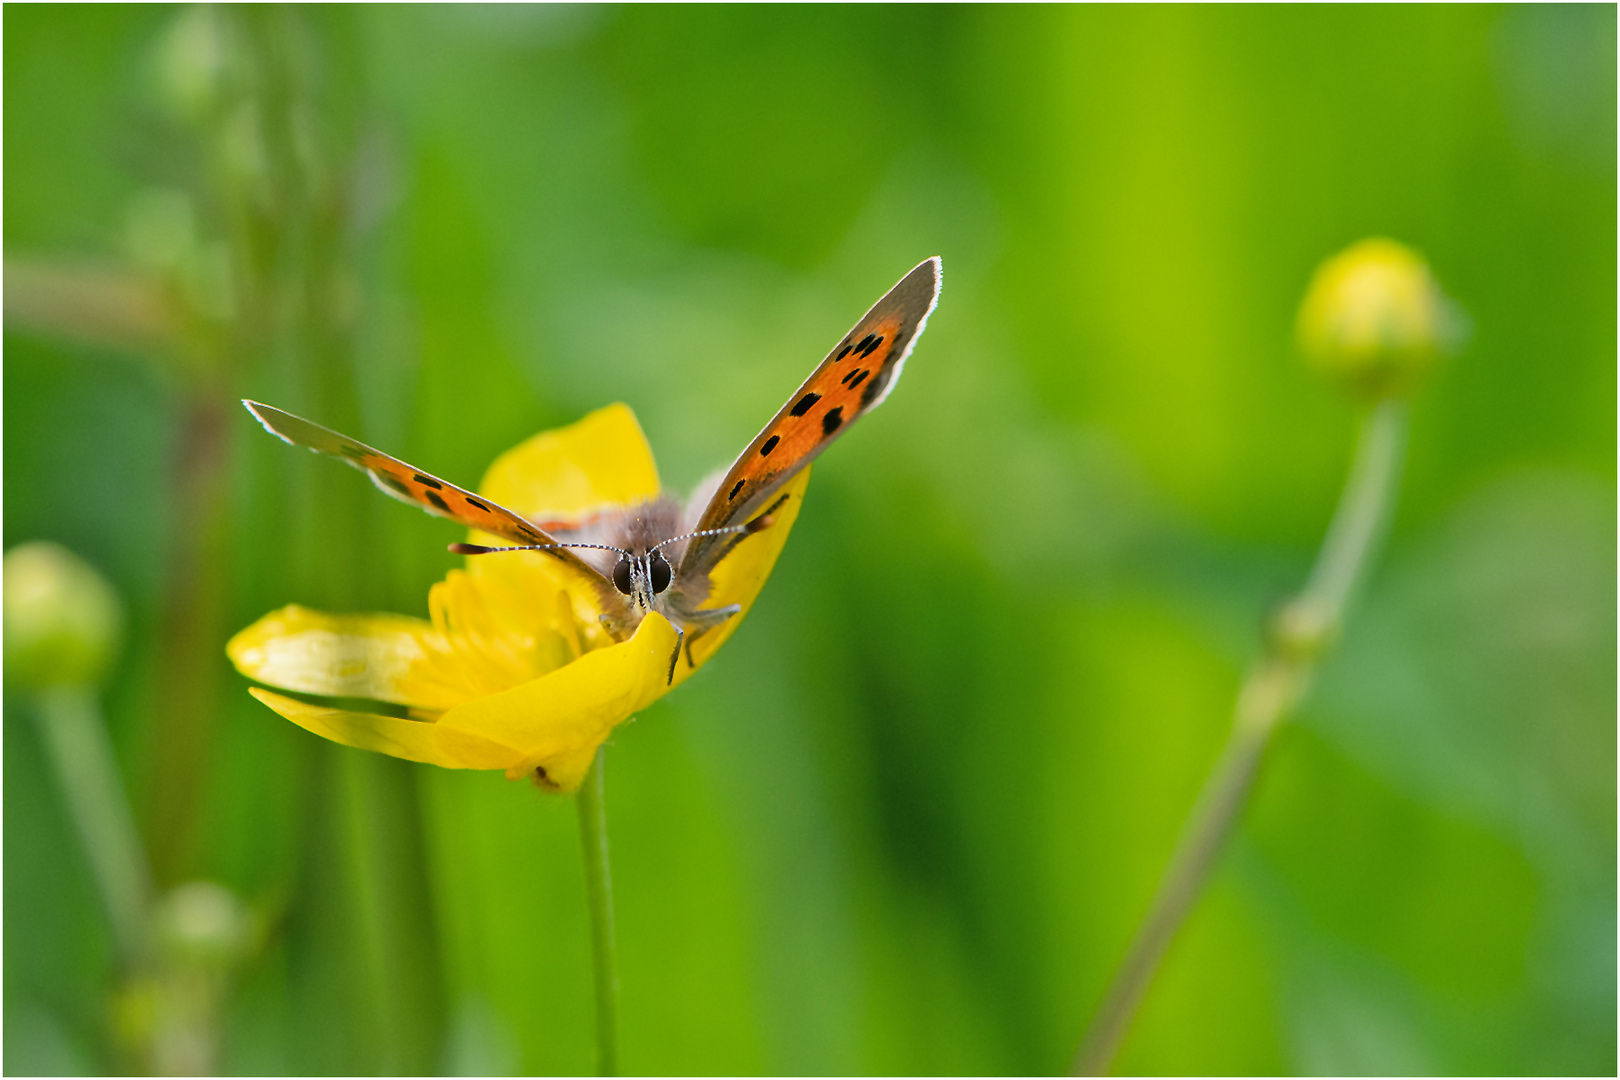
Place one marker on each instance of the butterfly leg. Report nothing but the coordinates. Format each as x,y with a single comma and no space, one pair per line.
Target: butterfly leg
703,622
674,657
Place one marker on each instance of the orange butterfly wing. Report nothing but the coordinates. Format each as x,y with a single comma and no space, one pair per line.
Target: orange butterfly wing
852,381
409,484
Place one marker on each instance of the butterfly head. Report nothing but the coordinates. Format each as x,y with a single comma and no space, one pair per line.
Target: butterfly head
642,577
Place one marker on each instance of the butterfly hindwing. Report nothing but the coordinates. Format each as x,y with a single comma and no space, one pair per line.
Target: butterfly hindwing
852,381
409,484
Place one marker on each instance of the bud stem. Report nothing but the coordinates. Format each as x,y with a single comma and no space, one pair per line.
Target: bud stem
76,741
1363,514
1273,687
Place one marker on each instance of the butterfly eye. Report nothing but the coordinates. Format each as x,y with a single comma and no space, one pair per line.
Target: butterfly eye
621,575
660,572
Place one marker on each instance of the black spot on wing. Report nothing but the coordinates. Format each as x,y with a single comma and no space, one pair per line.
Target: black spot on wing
394,483
428,481
475,504
873,389
436,499
531,536
830,422
869,343
855,377
842,353
770,444
738,486
804,404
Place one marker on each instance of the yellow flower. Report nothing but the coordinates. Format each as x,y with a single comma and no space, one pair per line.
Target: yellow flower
514,669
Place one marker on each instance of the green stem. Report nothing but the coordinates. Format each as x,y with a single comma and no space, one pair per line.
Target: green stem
1364,510
76,739
599,898
1300,635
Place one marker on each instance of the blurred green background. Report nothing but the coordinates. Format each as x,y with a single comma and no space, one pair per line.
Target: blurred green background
907,820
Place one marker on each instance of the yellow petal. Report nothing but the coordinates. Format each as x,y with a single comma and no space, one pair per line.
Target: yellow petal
484,638
382,657
413,740
601,459
556,723
520,590
566,474
741,574
503,630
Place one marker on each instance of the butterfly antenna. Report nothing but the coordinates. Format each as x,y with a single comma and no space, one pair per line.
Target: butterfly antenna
479,549
764,521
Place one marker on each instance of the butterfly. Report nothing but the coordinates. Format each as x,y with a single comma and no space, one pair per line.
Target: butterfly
658,555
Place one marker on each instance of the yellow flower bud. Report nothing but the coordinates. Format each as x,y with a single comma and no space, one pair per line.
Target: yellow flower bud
62,619
1374,318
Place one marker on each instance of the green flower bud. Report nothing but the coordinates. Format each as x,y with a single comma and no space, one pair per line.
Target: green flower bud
160,230
62,619
203,923
1301,630
190,63
1374,319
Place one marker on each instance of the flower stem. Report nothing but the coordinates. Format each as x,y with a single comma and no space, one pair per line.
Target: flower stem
1301,634
599,898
